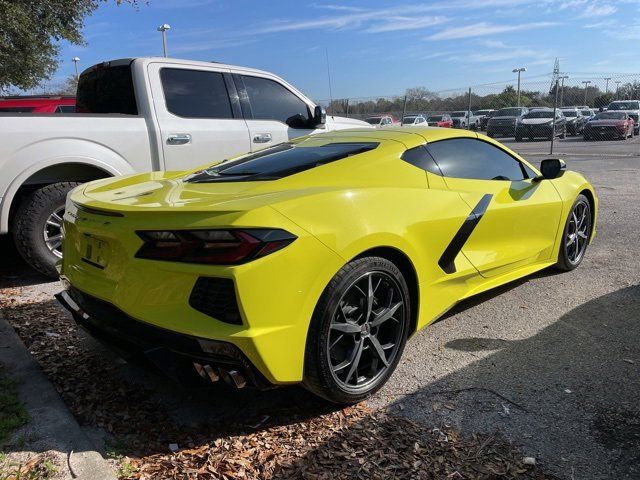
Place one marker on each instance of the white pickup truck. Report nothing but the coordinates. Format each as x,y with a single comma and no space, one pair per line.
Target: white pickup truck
136,115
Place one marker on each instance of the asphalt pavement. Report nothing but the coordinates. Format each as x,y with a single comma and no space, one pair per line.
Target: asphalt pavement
552,362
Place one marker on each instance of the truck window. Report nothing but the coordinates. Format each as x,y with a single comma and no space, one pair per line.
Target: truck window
272,101
65,109
195,93
106,90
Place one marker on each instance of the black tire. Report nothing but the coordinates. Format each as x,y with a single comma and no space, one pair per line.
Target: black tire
30,223
563,133
566,260
320,376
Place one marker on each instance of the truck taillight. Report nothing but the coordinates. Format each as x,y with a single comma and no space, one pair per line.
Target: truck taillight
216,247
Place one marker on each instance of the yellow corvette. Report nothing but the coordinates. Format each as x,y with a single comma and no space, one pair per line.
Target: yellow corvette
314,260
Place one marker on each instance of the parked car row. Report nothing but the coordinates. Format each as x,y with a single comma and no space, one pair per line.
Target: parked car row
620,120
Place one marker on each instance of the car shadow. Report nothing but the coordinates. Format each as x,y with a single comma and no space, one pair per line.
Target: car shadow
14,270
567,395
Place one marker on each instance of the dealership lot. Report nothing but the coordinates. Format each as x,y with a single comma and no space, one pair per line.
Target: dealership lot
550,361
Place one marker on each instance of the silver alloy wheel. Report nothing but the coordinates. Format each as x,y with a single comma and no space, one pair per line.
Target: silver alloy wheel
366,331
577,235
52,232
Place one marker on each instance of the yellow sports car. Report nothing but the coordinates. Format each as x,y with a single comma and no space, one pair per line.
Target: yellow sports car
312,261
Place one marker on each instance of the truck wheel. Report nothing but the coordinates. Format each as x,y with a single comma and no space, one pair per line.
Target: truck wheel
37,230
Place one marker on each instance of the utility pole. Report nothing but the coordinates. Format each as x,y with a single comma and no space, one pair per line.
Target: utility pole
519,71
326,51
618,82
586,87
606,89
469,111
553,123
563,78
163,29
75,61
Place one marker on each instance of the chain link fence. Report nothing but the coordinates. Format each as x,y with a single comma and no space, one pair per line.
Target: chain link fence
593,113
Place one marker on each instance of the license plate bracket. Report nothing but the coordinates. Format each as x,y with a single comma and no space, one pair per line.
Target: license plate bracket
95,251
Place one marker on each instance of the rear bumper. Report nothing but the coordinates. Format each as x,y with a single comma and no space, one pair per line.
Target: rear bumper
172,353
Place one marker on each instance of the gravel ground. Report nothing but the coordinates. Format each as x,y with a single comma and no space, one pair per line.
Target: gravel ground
549,364
551,361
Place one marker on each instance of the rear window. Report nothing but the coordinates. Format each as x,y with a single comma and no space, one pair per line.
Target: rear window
107,90
279,161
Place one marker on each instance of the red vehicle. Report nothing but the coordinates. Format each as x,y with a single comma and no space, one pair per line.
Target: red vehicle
609,125
38,104
443,121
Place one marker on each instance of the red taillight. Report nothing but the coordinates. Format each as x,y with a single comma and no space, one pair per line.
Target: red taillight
217,247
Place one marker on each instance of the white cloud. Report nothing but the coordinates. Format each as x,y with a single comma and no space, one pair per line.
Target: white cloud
400,17
406,23
483,28
598,10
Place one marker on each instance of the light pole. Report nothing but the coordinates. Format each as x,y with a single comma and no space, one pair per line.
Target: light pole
606,88
586,86
75,61
163,29
519,71
618,82
563,78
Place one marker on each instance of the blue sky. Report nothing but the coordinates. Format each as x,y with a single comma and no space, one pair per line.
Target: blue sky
376,47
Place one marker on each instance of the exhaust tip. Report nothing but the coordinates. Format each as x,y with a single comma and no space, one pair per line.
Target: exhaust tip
207,372
234,378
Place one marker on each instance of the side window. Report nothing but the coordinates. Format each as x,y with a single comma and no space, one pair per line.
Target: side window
386,121
420,157
469,158
65,109
272,101
195,93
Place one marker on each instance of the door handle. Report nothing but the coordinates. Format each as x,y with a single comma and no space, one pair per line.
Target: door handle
178,139
262,138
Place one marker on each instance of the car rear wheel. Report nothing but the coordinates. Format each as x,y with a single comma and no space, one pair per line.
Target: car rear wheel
358,331
37,228
577,231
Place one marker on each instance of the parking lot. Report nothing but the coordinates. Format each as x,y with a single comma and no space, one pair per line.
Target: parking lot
576,147
549,363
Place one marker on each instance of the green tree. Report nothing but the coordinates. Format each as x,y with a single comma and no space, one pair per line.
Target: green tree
29,34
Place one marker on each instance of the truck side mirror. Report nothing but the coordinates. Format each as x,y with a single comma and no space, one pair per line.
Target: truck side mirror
552,168
319,116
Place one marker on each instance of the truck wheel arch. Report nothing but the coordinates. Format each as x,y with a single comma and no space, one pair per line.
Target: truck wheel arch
52,171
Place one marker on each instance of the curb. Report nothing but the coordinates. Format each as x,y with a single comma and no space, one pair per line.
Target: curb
49,416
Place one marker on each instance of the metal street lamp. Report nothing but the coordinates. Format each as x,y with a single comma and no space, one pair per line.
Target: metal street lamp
618,82
606,89
563,78
75,61
519,71
586,86
163,29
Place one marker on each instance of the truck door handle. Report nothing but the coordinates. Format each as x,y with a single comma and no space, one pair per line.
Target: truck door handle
178,139
262,138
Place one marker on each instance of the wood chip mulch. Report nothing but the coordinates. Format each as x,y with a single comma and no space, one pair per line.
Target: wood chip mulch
351,443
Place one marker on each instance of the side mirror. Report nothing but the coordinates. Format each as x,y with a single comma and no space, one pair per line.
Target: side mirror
552,168
319,116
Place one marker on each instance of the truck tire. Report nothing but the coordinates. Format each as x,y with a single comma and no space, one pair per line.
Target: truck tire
37,226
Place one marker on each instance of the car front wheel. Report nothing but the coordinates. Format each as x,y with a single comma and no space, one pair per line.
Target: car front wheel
358,331
577,232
